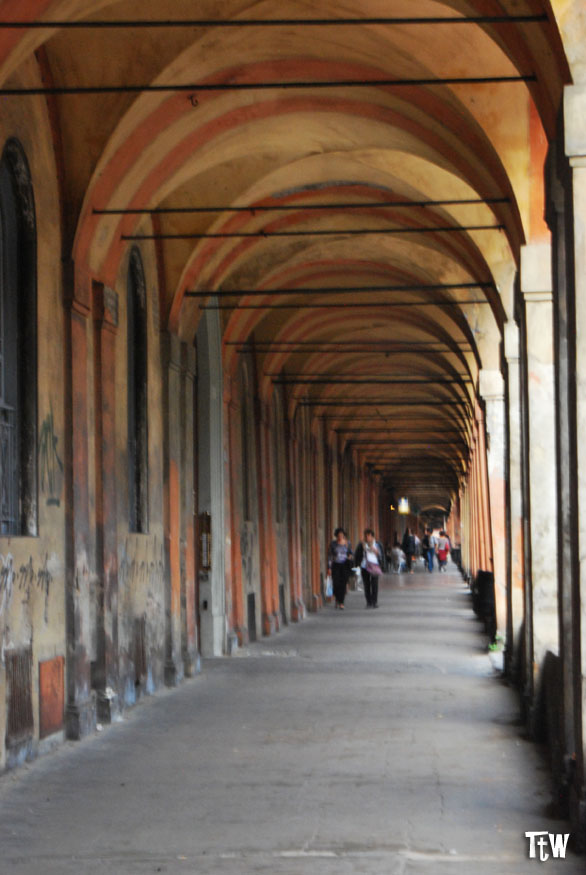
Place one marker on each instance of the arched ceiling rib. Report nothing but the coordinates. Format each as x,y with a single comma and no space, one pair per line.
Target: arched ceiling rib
425,310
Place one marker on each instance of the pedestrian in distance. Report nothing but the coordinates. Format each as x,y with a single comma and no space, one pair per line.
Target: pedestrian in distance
340,565
408,545
370,558
429,545
397,557
443,548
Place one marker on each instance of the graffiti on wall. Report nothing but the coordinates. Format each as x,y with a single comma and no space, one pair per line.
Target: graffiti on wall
50,464
6,581
24,580
28,580
141,572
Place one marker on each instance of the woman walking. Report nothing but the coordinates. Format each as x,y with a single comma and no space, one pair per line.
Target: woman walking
340,565
370,558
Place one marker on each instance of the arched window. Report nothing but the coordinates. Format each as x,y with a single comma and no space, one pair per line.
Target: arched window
18,346
137,395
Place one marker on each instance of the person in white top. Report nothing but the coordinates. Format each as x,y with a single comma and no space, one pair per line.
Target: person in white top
370,557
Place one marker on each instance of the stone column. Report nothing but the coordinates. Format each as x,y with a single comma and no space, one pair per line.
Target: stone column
575,149
188,546
515,563
266,532
335,481
80,711
293,501
314,527
171,365
211,454
492,390
107,673
237,634
536,287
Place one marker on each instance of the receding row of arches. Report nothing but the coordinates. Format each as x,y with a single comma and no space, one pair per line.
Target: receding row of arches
265,279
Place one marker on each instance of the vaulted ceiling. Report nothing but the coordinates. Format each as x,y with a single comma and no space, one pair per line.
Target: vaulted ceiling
362,190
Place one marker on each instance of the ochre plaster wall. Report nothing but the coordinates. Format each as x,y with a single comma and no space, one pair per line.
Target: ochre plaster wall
32,569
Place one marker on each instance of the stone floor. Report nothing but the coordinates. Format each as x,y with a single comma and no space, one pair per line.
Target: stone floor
358,742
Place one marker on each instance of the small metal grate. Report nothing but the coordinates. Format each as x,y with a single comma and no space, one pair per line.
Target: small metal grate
20,722
282,604
251,617
140,661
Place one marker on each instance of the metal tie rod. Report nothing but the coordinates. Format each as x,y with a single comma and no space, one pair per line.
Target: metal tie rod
342,349
326,344
324,232
269,22
194,88
277,208
347,290
409,378
332,305
380,402
369,381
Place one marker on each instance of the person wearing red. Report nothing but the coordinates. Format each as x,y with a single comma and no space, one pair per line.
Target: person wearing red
443,549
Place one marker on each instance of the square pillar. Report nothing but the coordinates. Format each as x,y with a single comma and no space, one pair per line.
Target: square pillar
80,711
188,535
492,391
171,360
107,673
515,549
575,150
537,291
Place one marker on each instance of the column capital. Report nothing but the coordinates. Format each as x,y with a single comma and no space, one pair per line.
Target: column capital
171,349
575,124
228,391
188,360
105,307
536,272
491,385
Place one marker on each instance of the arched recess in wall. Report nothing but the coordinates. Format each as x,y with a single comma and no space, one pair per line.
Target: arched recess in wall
137,394
18,345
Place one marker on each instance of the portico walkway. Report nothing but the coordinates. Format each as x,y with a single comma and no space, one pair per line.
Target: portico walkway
356,742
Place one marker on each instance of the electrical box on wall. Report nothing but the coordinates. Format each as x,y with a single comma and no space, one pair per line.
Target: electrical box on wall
205,541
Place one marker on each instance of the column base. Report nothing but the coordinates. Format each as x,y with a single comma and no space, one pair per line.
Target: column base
269,626
173,673
316,603
297,610
80,719
108,706
191,664
578,818
232,643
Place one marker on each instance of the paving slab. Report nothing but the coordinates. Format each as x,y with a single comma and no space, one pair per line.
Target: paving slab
378,742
